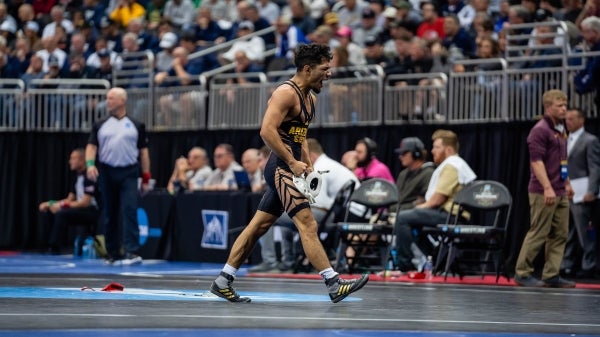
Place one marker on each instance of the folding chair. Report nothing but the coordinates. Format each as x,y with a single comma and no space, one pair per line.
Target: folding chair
335,214
370,241
481,241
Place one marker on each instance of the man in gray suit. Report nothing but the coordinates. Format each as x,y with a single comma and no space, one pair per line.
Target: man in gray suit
583,154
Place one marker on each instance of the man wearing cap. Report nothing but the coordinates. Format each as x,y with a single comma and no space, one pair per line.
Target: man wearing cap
450,176
366,28
413,180
164,58
374,52
254,47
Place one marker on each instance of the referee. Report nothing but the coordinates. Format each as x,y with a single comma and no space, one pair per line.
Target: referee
121,146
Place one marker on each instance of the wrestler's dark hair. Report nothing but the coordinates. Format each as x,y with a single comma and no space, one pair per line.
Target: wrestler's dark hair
311,55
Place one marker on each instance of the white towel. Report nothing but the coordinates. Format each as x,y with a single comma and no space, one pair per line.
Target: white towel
465,173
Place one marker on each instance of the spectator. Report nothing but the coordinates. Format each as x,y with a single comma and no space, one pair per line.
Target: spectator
251,14
164,58
368,166
432,27
356,56
145,40
34,71
549,192
253,47
287,37
190,173
300,17
30,32
58,19
180,13
452,7
374,52
222,177
154,16
79,207
79,46
182,73
120,145
349,12
21,55
324,35
112,34
366,28
587,80
93,11
51,50
126,11
570,11
468,12
591,8
450,176
207,31
268,10
457,37
94,59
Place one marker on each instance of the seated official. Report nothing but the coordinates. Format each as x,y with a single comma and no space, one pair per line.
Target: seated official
190,173
251,162
222,177
78,208
451,174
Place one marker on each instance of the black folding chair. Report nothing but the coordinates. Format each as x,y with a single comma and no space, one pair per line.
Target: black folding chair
369,241
480,242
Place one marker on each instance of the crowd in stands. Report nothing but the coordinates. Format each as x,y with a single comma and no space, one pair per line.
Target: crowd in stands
88,38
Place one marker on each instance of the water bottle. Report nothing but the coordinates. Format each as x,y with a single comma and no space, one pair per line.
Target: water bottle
428,268
354,117
85,250
394,260
77,247
89,252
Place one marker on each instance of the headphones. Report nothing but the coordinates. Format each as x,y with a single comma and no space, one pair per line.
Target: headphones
371,146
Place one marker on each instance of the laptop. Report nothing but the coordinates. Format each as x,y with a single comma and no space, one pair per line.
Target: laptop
242,180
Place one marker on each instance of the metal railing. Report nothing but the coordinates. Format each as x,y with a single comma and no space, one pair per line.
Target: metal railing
415,98
63,104
11,112
478,96
359,99
238,106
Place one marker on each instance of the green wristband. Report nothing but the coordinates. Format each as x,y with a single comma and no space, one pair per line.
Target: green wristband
90,163
51,202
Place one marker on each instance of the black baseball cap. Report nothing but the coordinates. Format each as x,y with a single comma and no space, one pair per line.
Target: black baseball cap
410,144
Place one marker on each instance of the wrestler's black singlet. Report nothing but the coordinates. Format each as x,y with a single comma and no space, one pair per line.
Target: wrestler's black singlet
282,194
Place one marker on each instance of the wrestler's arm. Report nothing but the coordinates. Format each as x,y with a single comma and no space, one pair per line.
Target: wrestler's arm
306,157
281,103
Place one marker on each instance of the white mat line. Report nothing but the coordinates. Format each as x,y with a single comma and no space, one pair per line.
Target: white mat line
292,318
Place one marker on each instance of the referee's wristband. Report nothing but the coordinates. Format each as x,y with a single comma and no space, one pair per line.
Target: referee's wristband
90,163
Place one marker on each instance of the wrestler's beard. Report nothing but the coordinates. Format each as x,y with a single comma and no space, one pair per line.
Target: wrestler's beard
364,162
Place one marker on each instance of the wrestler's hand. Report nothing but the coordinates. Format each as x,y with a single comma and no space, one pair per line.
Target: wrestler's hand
309,170
298,167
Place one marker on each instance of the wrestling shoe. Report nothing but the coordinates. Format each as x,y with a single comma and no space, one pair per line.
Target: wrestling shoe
227,293
339,288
